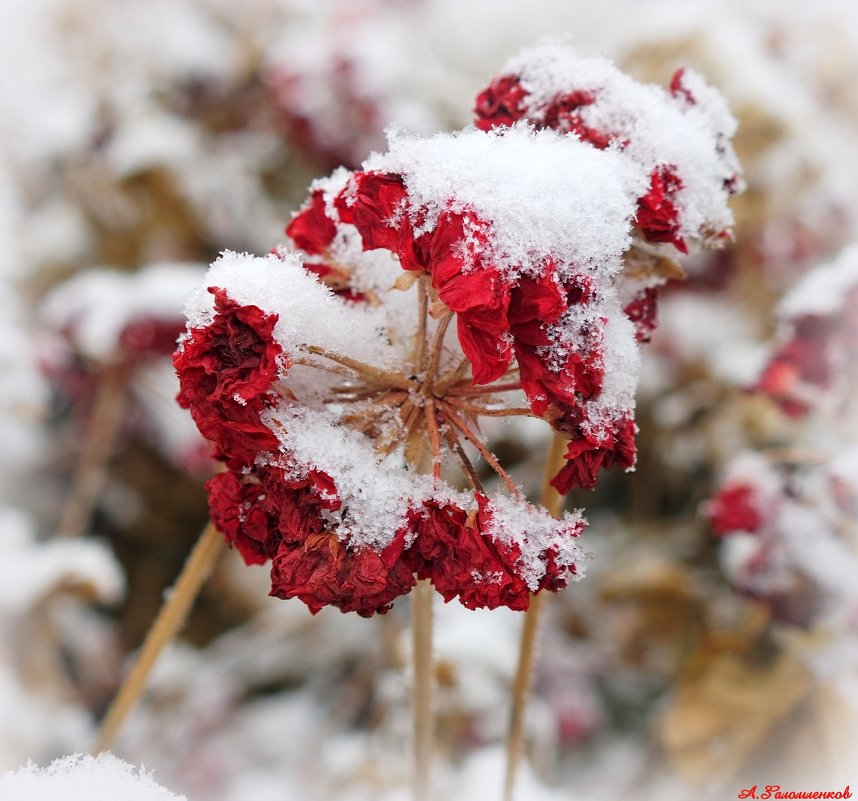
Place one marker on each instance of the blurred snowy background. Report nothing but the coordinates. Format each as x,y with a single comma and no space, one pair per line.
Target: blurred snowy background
712,645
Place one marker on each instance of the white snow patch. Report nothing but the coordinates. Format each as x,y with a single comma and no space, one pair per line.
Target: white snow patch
83,778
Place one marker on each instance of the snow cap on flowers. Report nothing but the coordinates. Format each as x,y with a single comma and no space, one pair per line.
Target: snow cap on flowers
306,370
679,136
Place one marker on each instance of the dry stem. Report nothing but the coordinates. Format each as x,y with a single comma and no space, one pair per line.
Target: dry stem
421,695
456,447
90,473
367,370
486,412
422,313
435,353
451,377
457,422
553,503
487,390
434,436
170,619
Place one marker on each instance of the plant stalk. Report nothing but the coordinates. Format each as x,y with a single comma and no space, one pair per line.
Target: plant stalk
553,503
421,692
90,476
170,620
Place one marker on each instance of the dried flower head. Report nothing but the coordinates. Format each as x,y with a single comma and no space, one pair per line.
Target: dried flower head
336,388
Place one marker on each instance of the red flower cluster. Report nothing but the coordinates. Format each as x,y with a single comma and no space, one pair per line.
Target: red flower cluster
505,102
735,508
294,515
225,372
534,288
787,535
498,319
816,353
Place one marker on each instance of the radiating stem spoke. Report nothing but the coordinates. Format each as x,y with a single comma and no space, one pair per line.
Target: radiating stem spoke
435,353
443,384
456,421
486,390
366,370
434,436
422,314
456,447
486,412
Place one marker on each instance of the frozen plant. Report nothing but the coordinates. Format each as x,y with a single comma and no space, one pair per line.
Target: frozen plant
326,389
340,398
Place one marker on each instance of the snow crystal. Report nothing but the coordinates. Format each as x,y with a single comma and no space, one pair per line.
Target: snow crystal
309,313
543,193
535,531
83,778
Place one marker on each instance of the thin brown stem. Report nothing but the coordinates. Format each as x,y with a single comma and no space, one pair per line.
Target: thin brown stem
421,696
451,377
486,412
328,368
414,441
366,370
553,503
487,390
422,314
434,436
170,619
423,734
457,422
90,475
435,353
456,447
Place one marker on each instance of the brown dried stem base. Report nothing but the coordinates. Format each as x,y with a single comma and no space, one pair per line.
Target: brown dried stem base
170,620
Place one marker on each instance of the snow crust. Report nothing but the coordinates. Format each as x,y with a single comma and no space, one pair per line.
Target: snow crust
652,127
308,312
544,194
378,493
83,778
